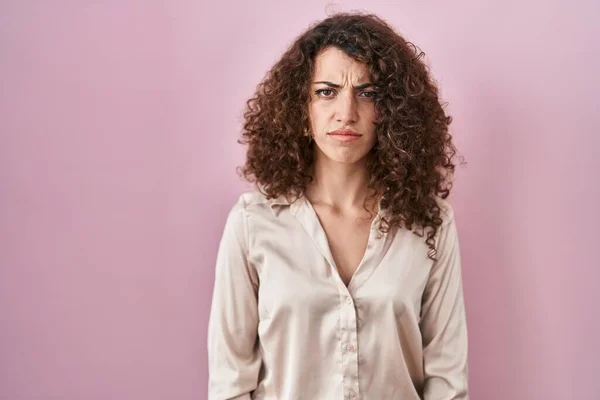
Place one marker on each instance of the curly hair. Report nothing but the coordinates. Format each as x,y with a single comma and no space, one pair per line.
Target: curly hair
411,163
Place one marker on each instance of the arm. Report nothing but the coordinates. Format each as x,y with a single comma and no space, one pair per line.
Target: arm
443,321
233,359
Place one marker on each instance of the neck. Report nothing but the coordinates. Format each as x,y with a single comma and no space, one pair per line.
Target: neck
338,185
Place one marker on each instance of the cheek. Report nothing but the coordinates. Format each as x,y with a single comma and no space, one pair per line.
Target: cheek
368,112
368,118
318,117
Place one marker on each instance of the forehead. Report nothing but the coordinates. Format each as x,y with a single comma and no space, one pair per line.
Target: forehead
333,64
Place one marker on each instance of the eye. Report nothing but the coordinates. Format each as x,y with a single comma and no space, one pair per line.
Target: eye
368,95
324,93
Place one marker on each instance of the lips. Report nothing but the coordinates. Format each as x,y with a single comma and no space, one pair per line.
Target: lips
345,136
344,132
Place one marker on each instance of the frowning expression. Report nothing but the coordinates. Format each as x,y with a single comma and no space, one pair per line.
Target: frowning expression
342,109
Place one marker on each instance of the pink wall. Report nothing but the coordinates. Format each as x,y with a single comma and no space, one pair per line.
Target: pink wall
114,189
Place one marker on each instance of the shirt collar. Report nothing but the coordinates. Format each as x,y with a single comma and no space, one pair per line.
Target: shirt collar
277,203
286,201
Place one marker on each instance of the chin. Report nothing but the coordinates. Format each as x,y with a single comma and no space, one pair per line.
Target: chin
346,157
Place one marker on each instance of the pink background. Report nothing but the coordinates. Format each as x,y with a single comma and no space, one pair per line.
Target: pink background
118,150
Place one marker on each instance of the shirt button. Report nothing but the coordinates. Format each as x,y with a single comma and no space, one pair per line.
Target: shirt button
352,394
349,300
350,348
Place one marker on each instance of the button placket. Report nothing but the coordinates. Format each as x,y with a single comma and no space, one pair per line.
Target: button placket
349,344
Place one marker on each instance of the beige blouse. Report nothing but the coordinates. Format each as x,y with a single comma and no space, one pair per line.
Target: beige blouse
283,326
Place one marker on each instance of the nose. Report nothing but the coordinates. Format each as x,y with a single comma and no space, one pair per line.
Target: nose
346,110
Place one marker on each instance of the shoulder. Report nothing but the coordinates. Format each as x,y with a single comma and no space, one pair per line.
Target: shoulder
447,232
254,203
446,214
446,211
251,200
247,206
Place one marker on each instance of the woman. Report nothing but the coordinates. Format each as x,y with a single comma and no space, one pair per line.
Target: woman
339,277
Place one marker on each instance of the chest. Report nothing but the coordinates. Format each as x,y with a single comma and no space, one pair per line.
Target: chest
294,254
347,238
297,279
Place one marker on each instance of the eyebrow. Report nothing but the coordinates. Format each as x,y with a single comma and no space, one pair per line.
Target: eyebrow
335,85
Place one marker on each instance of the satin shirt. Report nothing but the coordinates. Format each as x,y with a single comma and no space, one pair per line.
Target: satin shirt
284,326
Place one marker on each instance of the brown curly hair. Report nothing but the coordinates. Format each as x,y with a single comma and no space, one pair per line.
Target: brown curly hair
411,163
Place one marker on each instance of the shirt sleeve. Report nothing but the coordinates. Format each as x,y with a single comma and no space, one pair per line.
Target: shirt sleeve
443,321
233,357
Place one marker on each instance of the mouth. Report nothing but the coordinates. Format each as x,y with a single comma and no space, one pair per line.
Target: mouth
344,135
344,132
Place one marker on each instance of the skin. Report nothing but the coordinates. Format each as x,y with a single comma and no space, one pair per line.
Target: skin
340,181
348,106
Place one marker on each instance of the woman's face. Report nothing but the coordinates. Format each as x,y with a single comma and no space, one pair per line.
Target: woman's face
341,108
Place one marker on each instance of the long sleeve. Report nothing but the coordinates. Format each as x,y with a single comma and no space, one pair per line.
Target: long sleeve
443,321
233,359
